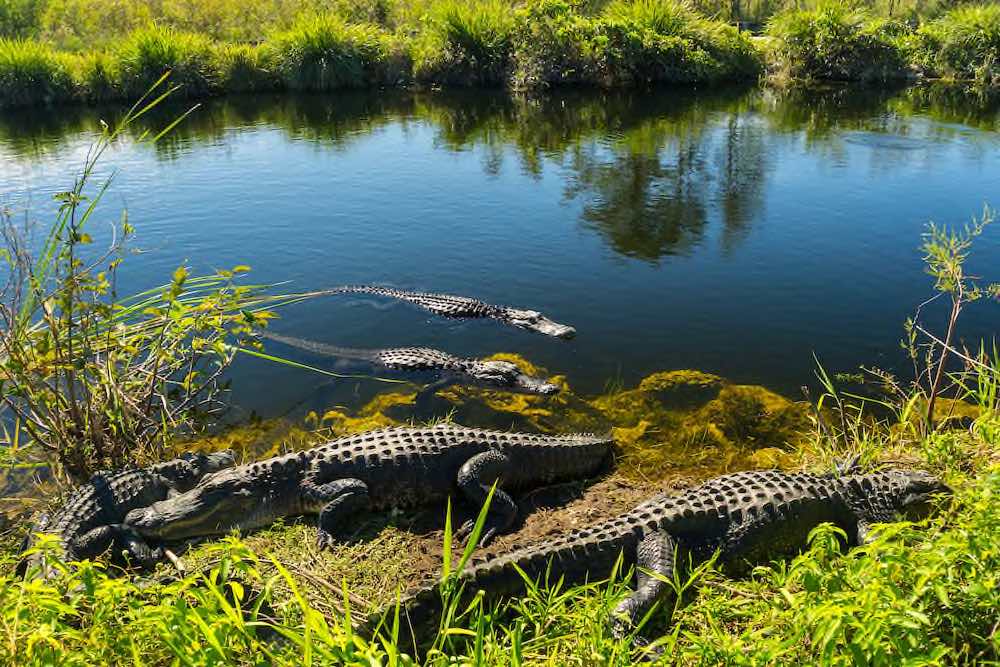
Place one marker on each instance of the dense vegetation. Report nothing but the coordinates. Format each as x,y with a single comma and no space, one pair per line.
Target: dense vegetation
63,50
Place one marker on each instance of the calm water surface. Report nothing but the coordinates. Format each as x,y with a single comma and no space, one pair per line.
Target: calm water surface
733,231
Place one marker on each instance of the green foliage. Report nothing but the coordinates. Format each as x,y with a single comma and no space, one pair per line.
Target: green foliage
101,381
466,43
322,53
839,42
20,18
76,25
32,73
148,54
962,44
243,68
631,42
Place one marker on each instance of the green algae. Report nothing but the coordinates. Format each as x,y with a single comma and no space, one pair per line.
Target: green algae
670,420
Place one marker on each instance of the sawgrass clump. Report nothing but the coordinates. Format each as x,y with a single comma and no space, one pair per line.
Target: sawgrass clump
964,43
837,41
322,53
32,73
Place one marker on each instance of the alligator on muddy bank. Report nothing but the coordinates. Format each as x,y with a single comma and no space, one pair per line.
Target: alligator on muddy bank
747,517
461,307
444,369
395,467
90,522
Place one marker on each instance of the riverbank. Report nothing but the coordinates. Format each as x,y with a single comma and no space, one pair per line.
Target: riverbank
533,45
922,592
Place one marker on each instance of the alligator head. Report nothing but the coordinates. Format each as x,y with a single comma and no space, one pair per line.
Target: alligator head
532,320
195,465
916,490
909,493
223,501
497,374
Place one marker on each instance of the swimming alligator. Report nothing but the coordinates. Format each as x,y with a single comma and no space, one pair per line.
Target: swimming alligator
445,369
747,517
464,307
393,467
91,520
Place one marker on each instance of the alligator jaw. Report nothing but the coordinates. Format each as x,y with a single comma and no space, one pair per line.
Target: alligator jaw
533,385
532,320
224,501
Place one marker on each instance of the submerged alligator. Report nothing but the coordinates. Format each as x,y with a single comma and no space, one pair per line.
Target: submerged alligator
393,467
90,522
747,517
445,369
448,305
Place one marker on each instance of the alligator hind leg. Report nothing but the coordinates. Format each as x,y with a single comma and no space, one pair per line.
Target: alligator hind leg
339,498
655,562
475,479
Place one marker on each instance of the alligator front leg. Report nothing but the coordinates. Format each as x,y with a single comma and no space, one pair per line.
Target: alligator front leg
655,562
126,545
475,479
339,498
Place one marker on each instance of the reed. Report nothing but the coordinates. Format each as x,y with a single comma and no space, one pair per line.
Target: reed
964,43
323,52
32,73
837,41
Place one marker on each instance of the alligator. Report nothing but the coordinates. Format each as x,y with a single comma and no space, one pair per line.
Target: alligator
745,518
462,307
90,522
445,369
393,467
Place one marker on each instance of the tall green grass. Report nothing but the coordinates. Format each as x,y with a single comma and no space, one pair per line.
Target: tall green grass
962,44
32,73
321,53
630,42
837,41
144,57
529,44
466,43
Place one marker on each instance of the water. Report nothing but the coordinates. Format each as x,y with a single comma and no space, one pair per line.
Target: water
733,231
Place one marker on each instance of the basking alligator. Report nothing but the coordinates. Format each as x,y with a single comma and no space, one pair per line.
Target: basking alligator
91,520
446,369
747,517
394,467
447,305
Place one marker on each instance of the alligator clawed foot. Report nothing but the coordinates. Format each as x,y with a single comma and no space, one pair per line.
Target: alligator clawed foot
465,532
324,540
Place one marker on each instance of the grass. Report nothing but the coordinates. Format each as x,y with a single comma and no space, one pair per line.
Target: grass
836,42
962,44
322,53
90,52
918,594
32,73
467,43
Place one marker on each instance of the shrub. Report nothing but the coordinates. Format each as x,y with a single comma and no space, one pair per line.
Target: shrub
20,18
322,53
32,73
962,44
552,45
467,43
98,77
243,68
95,380
83,24
837,42
147,54
653,41
631,41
